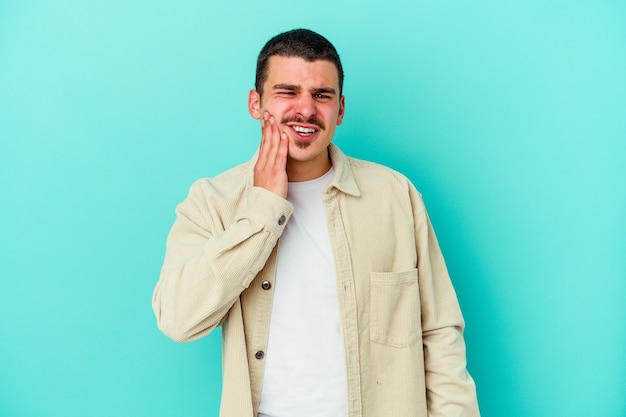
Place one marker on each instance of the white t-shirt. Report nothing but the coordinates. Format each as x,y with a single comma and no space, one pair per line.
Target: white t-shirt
304,368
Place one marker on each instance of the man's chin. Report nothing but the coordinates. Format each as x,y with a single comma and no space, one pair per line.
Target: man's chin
298,154
301,144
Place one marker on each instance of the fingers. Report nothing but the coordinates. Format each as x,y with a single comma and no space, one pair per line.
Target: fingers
271,135
264,150
283,150
270,169
272,149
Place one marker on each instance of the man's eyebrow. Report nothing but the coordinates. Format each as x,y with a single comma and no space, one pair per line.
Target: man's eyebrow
292,87
324,90
289,87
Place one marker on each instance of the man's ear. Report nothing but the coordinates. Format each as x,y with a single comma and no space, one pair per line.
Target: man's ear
254,104
342,109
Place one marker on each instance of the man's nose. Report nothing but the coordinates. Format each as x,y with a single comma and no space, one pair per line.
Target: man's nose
306,106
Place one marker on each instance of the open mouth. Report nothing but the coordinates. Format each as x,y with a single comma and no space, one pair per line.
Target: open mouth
304,132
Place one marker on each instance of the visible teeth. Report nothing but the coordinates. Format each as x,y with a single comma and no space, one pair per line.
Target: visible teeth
305,130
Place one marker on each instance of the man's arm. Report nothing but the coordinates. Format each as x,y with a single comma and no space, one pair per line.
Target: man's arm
208,265
450,390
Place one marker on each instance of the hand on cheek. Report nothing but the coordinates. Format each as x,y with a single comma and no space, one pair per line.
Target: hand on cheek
270,171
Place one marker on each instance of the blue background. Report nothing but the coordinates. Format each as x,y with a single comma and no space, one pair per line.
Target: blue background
509,116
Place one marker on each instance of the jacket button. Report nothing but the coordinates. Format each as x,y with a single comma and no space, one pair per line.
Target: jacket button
259,355
282,220
266,285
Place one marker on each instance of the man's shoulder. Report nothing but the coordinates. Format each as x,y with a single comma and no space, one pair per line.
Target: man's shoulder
377,174
232,180
366,165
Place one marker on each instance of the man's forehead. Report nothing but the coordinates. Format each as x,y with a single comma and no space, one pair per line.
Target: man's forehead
298,68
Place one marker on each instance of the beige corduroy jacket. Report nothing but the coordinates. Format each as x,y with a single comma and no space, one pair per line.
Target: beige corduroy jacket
401,322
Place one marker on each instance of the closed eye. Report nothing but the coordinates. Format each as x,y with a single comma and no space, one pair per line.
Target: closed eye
286,90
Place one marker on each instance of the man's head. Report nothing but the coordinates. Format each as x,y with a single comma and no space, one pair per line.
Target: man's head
299,79
297,43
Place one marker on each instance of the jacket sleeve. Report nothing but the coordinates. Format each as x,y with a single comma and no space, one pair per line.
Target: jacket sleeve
450,390
209,261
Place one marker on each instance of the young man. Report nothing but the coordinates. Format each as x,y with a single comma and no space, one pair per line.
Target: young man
323,270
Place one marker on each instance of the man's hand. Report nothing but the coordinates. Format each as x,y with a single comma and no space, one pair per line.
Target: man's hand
270,171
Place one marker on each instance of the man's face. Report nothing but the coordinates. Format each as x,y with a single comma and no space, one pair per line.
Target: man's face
304,99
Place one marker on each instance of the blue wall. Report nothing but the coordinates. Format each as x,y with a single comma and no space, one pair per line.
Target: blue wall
509,116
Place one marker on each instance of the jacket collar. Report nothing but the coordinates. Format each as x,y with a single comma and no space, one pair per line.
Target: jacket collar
343,180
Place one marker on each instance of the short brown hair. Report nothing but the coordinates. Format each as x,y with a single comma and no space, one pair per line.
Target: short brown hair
301,43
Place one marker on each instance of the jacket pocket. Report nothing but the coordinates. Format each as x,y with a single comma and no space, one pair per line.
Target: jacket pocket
395,308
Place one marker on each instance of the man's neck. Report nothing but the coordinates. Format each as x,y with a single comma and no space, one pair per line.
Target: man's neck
298,171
